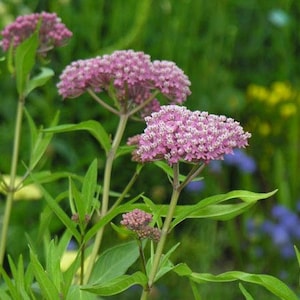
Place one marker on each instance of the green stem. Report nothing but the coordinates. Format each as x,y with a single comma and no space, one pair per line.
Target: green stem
82,257
144,103
13,173
164,232
102,103
142,256
127,188
105,192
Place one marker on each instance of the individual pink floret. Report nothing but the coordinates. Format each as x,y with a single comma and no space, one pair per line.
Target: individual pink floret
52,33
178,134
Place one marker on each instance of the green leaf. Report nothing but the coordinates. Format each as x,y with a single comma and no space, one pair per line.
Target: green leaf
124,150
168,170
272,284
89,186
11,286
93,127
208,208
182,269
118,284
4,296
48,176
165,265
77,293
39,141
297,255
53,264
114,262
66,220
245,292
39,80
76,197
18,276
47,286
25,60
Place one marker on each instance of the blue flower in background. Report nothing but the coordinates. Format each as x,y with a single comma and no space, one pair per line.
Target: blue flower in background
283,228
241,160
195,186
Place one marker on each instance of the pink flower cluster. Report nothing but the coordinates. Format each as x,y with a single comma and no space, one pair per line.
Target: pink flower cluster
52,31
175,133
133,76
138,221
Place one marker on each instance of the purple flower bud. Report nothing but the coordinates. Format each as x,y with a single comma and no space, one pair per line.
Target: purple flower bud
136,219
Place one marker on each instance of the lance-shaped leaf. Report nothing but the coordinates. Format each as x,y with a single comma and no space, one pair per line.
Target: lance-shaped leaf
210,207
93,127
271,283
25,60
39,80
118,284
48,288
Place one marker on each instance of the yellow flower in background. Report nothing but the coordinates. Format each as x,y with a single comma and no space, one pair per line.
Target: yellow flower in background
283,90
257,92
278,92
68,258
264,128
28,192
288,110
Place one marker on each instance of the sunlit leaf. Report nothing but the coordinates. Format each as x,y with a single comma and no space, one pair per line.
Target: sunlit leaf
47,286
114,262
118,284
272,284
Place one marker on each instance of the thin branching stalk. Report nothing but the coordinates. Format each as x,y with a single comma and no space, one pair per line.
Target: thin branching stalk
164,232
195,171
102,103
82,257
126,190
13,174
143,260
144,103
106,188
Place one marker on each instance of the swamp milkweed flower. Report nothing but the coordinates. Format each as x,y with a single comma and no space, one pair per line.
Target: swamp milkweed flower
178,134
52,32
129,77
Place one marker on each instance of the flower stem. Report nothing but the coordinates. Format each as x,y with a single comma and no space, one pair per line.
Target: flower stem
164,232
102,103
106,188
11,185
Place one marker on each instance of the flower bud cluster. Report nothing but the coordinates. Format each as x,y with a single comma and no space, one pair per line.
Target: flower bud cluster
175,133
52,32
132,75
138,221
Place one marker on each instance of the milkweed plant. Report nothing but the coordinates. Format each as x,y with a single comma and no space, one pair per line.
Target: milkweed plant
132,87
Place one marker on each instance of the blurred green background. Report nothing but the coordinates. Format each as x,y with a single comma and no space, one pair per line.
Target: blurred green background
242,59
